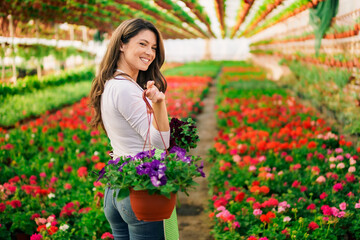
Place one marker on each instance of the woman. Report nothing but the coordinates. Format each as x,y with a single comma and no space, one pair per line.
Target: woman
131,65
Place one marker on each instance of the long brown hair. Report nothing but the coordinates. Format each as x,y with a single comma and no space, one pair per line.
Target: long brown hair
123,33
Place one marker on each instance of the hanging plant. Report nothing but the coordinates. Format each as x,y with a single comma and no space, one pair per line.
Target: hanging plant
242,13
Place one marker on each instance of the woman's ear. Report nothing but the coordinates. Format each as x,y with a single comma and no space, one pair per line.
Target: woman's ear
121,49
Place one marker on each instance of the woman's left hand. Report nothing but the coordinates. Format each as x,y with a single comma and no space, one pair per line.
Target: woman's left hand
153,93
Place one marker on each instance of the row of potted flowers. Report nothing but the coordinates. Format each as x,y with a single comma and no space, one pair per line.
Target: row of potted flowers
280,172
47,189
334,32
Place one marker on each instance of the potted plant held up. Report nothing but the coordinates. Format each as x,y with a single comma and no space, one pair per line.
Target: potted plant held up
152,178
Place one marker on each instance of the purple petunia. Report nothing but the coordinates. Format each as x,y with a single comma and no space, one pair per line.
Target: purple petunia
143,168
157,168
101,174
200,169
158,181
122,166
145,154
116,161
180,152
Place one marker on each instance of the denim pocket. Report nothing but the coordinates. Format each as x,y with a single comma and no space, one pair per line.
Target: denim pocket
127,210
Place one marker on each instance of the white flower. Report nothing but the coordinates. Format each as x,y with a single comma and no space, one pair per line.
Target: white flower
96,153
77,150
287,219
52,159
94,189
7,136
51,195
64,227
48,225
32,135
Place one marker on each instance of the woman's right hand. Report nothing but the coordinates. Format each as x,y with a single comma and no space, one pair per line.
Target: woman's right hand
153,93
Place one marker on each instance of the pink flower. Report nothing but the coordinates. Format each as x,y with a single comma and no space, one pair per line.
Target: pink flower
332,166
357,205
337,187
335,211
53,179
36,236
325,218
237,158
107,235
352,169
352,161
342,206
338,150
263,238
235,225
341,214
257,212
340,158
340,166
40,221
67,186
252,168
42,174
321,179
326,210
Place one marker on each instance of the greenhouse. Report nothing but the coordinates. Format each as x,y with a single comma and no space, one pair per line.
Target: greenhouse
179,119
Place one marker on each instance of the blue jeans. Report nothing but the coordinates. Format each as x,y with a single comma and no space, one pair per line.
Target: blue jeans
125,225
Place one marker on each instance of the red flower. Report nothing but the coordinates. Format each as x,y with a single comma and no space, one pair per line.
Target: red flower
2,207
311,145
39,228
264,218
82,171
239,197
52,230
35,215
14,203
323,195
313,226
296,184
311,207
337,187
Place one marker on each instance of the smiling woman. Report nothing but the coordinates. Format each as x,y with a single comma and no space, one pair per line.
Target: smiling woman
129,69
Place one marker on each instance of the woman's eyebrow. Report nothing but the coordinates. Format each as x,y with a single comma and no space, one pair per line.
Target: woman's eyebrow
147,41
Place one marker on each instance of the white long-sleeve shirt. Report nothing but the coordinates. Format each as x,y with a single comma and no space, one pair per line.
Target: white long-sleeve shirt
125,118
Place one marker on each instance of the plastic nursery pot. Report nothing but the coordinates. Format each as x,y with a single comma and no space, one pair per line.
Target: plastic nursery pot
153,207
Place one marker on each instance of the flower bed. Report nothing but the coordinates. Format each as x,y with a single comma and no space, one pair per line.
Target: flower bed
279,171
45,185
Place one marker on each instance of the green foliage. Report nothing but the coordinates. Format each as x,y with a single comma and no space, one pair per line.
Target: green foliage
32,83
204,68
18,107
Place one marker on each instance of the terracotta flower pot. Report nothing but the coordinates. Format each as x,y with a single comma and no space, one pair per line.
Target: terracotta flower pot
153,207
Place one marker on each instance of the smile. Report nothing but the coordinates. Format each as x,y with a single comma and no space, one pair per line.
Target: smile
145,60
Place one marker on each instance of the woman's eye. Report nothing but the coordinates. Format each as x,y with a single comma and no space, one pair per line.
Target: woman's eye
143,44
154,49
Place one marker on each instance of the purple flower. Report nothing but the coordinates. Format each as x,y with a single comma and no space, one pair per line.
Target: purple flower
101,174
187,159
116,161
200,169
180,152
122,166
157,168
156,181
143,168
145,154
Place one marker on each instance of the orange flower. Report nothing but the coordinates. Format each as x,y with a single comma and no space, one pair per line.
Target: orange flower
255,189
100,165
264,189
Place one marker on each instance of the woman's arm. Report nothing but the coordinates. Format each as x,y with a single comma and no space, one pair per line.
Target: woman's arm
159,106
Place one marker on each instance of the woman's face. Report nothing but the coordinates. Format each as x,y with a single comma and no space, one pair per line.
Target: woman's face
139,52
